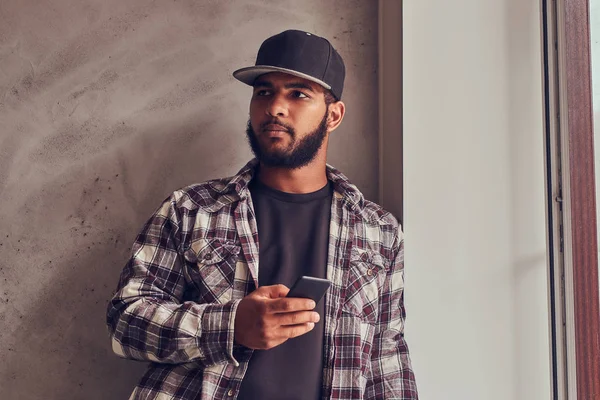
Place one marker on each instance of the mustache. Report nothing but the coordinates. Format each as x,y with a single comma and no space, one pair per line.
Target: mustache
276,122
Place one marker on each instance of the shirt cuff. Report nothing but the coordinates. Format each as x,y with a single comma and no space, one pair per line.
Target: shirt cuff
218,332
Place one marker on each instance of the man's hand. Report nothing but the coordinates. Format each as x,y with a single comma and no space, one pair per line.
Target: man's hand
266,318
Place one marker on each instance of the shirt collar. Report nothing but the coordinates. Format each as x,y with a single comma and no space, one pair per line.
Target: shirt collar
237,187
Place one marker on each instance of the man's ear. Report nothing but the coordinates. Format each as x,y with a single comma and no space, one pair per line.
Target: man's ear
336,115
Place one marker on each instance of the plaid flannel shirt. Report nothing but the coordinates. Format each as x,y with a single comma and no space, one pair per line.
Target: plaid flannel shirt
197,257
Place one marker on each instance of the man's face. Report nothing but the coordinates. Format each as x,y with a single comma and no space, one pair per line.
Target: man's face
288,120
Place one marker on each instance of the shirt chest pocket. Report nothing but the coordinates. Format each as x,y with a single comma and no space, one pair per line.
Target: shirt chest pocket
363,281
211,268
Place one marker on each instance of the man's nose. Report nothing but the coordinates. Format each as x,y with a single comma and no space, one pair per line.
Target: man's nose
277,107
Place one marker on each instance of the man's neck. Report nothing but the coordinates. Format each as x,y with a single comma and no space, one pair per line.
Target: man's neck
308,179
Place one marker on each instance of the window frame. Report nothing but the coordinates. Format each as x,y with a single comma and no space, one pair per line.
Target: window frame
571,200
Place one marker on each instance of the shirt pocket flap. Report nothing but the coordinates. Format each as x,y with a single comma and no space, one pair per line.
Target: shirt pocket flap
365,257
212,251
364,278
211,268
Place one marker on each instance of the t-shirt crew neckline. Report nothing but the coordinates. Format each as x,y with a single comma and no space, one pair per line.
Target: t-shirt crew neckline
322,193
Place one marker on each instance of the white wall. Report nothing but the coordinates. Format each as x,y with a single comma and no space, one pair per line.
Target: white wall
474,213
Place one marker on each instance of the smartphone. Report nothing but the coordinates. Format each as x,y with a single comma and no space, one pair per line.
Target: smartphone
310,288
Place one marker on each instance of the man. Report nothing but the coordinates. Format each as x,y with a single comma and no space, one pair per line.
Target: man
203,296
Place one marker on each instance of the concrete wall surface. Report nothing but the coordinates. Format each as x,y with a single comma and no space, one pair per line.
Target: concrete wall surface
106,107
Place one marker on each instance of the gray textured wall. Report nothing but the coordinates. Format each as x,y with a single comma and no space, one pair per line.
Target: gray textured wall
105,108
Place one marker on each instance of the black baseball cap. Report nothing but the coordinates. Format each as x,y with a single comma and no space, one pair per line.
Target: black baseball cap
298,53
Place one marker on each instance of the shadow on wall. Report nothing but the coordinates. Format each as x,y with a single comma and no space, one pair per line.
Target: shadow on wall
529,301
75,194
92,143
56,343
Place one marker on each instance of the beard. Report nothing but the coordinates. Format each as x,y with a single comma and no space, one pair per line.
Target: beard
297,154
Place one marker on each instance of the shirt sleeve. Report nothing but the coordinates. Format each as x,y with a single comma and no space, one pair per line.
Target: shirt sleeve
392,375
147,319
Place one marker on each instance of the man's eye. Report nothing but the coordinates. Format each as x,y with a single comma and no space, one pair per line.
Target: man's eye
262,93
299,94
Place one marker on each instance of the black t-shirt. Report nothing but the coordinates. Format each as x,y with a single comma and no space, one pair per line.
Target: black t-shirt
293,235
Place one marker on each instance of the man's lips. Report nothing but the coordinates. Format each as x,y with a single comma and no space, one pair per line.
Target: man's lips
275,128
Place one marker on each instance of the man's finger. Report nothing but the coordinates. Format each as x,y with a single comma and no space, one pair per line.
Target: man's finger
274,291
288,305
297,318
296,330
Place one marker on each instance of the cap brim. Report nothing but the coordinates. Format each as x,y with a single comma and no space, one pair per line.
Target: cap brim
249,74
